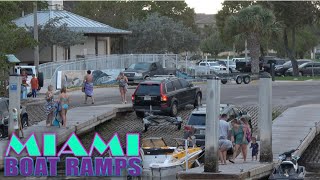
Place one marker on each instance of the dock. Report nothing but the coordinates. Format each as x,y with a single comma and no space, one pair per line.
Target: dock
293,129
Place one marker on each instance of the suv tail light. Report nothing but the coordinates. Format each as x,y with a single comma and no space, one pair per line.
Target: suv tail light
134,94
164,98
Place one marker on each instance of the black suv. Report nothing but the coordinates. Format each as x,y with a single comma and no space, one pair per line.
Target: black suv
4,117
164,95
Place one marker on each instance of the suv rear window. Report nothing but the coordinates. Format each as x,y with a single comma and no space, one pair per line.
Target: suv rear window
148,89
197,119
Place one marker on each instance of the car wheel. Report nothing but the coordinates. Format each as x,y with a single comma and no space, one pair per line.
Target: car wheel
197,101
224,81
140,114
24,122
300,73
246,79
239,80
174,109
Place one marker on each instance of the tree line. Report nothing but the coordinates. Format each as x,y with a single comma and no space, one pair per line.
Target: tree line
291,28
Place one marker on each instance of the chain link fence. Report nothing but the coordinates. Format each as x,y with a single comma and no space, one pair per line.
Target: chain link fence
51,69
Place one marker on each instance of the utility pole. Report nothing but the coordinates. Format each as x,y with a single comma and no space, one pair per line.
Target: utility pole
211,163
265,117
35,35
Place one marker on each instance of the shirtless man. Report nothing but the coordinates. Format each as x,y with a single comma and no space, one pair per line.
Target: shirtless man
88,86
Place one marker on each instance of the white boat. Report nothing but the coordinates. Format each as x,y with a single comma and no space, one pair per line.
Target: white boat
160,160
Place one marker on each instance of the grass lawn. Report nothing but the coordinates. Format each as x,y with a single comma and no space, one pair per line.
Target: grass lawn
302,78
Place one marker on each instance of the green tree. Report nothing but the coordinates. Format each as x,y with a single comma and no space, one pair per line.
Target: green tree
12,39
213,44
160,34
13,9
55,33
253,23
118,13
306,39
295,15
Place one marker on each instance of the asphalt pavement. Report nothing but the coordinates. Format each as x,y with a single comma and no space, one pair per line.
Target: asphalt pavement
289,94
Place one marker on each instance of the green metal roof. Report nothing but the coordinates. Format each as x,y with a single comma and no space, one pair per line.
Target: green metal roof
75,22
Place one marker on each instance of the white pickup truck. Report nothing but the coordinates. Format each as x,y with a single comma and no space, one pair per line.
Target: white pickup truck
30,70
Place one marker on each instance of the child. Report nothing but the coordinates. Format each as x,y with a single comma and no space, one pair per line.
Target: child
255,148
34,86
16,124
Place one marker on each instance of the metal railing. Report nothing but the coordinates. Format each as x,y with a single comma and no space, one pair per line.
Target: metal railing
51,69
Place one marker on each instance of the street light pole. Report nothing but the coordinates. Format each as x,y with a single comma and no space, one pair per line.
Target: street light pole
35,35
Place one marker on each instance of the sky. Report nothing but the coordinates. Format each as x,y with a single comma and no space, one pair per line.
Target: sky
205,6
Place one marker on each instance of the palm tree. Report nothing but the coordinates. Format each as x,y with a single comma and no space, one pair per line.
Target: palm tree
252,23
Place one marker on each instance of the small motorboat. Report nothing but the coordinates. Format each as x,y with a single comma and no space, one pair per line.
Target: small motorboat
288,167
160,160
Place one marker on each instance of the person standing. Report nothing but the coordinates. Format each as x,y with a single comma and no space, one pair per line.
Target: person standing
255,148
49,107
34,85
238,138
224,126
123,85
88,87
24,84
64,104
224,146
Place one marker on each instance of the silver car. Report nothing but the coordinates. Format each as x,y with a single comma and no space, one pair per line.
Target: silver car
196,124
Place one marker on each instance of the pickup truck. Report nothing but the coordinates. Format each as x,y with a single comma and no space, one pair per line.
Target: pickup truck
138,72
30,70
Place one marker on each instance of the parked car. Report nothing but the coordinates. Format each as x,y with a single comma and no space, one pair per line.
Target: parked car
241,59
165,95
281,70
266,62
138,72
232,64
244,65
212,65
4,117
305,69
196,123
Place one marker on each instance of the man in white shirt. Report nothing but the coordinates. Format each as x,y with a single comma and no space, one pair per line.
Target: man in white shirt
224,126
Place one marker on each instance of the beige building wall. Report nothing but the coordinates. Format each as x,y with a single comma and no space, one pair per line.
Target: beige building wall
87,48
